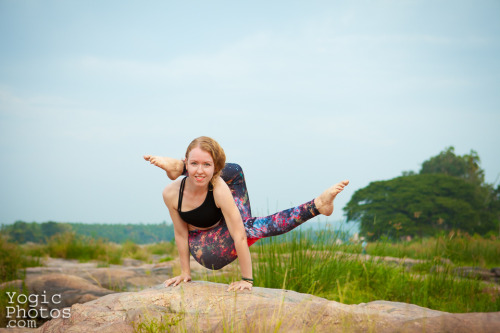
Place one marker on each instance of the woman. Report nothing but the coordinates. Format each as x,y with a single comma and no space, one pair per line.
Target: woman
211,212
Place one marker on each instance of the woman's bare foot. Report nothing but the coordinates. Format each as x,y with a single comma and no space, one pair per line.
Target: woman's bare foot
172,166
324,202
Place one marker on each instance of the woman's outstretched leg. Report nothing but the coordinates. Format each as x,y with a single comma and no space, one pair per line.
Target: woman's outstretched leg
287,220
279,223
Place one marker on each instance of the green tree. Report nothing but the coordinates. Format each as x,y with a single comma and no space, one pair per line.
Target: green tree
448,193
446,162
22,232
51,228
418,205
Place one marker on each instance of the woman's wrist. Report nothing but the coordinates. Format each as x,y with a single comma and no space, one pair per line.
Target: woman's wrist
249,280
186,273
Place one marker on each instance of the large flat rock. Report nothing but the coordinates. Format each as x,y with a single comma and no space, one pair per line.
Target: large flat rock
208,307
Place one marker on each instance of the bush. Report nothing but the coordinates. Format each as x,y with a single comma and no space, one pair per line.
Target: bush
10,260
68,245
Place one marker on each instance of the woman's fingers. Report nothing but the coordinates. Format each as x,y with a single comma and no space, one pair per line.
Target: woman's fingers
239,285
180,279
172,281
176,281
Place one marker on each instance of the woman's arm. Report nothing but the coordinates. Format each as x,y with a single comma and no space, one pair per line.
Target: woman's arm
181,237
224,199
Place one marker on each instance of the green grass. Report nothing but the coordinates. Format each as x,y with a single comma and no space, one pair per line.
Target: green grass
71,246
461,249
83,248
166,323
162,248
13,259
313,263
5,303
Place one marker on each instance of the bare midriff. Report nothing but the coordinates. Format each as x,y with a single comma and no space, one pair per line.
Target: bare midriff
193,228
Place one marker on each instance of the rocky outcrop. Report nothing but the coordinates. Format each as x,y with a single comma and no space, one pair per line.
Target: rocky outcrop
65,289
208,307
45,297
69,289
134,276
491,275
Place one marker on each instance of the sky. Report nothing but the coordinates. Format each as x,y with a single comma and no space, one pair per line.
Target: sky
302,94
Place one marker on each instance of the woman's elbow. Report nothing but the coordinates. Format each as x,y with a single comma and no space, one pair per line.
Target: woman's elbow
240,238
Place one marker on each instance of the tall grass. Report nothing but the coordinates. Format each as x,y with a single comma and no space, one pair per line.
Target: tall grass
315,264
68,245
460,248
13,260
83,248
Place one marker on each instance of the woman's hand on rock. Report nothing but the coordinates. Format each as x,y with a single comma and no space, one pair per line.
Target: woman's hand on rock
240,285
177,280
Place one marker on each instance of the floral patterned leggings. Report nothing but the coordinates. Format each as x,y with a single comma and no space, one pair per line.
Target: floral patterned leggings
214,248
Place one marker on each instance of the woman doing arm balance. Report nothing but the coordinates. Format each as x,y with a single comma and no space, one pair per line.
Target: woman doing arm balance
211,211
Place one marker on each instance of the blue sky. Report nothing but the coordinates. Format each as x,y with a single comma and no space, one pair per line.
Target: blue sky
301,93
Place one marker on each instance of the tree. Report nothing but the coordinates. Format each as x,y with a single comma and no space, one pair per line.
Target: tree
51,228
22,232
449,193
417,205
446,162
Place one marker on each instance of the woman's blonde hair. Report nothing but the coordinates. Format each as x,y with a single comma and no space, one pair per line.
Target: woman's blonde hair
214,149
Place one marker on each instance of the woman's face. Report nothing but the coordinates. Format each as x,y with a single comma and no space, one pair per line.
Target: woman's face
200,166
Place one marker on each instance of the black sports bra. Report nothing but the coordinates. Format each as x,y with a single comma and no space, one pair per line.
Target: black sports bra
204,216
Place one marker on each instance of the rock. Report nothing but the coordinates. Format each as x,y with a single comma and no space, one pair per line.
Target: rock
48,296
116,277
72,289
475,273
16,330
208,307
132,262
15,284
110,278
165,271
128,278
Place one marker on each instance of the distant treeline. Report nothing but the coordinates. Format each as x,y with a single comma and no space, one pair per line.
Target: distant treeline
22,232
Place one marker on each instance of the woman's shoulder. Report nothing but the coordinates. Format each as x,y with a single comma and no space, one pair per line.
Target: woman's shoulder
171,191
221,190
220,185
